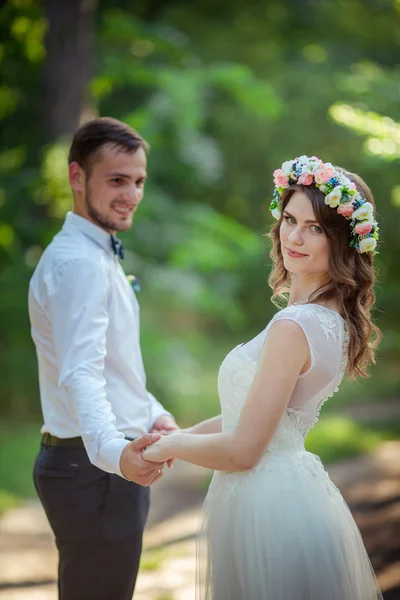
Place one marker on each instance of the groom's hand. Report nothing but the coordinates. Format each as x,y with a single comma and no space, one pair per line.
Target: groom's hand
132,465
164,425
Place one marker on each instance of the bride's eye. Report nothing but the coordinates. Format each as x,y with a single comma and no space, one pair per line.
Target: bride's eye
290,220
316,229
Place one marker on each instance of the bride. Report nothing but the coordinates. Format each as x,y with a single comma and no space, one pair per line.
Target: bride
276,526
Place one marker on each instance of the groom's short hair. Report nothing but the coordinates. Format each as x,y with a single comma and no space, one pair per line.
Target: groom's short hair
95,134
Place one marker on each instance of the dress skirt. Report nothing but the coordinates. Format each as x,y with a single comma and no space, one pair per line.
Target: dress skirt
281,531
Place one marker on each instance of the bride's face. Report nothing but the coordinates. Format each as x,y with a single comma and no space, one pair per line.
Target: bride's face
305,247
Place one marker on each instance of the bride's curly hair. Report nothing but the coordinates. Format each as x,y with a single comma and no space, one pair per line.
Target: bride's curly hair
352,274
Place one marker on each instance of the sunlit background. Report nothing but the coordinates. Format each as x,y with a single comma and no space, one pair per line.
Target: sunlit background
224,92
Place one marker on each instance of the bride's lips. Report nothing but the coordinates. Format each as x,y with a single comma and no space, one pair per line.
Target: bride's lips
294,254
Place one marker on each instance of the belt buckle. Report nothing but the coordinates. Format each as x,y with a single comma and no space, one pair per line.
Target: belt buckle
47,439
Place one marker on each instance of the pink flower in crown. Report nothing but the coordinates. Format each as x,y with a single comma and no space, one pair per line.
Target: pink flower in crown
324,173
363,228
305,179
352,186
280,179
346,210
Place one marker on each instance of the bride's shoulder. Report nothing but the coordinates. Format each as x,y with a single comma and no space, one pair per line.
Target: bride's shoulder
313,317
288,314
308,310
291,311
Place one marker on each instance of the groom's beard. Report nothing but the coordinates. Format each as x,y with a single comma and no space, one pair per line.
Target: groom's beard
98,218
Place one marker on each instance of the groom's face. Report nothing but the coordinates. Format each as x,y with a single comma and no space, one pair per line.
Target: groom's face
112,188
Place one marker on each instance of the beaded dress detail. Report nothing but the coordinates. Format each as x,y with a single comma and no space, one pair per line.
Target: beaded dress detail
282,531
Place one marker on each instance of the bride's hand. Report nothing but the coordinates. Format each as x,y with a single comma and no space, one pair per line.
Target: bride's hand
159,451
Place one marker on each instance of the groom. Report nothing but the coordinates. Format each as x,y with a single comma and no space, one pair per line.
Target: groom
89,474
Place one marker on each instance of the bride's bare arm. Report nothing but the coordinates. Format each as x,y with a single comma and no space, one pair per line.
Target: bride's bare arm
213,425
285,354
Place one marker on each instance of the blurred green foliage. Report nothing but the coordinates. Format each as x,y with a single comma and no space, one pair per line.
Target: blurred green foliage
223,92
338,438
19,444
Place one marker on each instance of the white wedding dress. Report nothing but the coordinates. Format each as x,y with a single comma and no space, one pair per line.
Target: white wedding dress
282,531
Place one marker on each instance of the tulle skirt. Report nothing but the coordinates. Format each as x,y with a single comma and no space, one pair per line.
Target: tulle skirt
281,531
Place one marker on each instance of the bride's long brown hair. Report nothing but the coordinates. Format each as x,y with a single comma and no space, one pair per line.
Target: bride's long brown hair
351,286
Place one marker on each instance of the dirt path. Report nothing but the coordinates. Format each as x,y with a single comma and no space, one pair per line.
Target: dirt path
370,484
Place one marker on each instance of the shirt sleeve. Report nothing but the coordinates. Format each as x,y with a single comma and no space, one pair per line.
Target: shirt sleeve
157,410
77,303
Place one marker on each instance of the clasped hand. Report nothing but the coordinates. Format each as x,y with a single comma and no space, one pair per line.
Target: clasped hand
165,426
147,471
160,451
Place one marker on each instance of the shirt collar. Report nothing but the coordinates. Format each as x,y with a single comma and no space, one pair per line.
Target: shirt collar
96,233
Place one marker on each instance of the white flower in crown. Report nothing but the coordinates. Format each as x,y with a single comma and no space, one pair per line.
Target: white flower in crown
333,199
276,213
367,244
344,181
312,166
364,213
287,167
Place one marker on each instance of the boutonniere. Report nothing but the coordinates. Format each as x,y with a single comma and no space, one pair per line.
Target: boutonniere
134,281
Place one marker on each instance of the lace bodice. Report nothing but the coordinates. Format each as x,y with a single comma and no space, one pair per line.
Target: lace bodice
281,530
326,333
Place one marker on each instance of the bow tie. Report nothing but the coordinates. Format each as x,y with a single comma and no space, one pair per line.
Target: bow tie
117,246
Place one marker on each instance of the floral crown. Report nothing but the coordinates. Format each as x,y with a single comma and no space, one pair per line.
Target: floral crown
339,191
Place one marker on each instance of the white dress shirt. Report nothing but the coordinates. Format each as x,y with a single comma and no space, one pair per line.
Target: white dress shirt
85,325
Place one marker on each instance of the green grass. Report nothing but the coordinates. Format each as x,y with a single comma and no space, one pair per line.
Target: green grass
19,445
152,560
8,501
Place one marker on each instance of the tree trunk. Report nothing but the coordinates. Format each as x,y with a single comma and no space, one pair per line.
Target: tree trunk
68,66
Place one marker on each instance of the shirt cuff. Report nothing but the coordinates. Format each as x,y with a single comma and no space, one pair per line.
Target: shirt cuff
111,452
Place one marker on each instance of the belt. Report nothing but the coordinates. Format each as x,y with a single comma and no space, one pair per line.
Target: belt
75,442
52,440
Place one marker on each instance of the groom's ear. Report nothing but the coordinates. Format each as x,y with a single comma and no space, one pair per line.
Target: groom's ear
77,177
